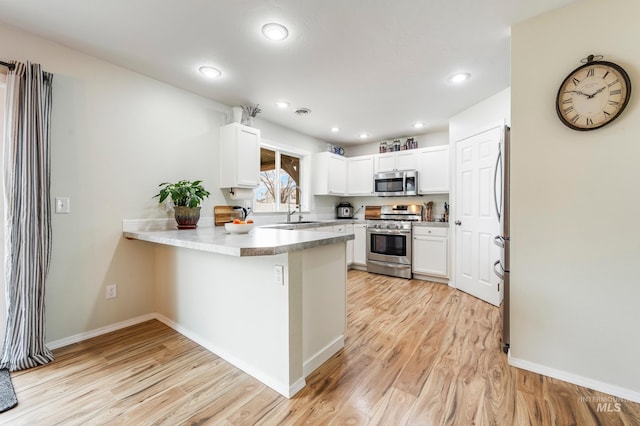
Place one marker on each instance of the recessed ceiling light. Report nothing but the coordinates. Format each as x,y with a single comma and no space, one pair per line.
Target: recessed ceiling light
335,129
363,135
460,77
418,125
282,104
211,72
274,31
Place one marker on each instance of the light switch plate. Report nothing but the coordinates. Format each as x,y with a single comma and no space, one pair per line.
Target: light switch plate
63,205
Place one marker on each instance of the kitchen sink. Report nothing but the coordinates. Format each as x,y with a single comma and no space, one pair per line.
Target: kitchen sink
293,225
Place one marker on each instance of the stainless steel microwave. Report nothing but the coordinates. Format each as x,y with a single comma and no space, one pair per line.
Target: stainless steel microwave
401,183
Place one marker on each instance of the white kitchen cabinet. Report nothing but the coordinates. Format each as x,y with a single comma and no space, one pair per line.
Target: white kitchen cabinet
360,175
433,177
329,174
346,229
430,251
239,162
350,244
360,244
399,160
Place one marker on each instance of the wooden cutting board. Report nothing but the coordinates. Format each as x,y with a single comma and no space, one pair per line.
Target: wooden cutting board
222,215
372,212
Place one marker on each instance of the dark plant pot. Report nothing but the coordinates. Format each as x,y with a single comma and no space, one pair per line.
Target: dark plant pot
187,217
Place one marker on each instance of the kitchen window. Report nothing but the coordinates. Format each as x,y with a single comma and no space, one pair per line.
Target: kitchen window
279,181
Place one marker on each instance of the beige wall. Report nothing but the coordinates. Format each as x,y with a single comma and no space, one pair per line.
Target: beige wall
115,136
575,295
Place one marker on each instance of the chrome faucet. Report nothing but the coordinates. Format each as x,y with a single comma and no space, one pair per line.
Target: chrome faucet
290,212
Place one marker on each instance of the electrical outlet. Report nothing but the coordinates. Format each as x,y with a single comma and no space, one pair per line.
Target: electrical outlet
278,272
112,291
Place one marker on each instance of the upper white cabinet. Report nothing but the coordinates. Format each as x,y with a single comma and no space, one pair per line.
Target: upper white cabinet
239,156
360,175
433,176
329,174
399,160
337,175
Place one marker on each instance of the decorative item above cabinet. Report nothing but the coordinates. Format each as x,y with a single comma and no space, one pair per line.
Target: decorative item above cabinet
239,156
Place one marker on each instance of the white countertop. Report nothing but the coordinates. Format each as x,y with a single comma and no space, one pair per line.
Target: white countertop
258,242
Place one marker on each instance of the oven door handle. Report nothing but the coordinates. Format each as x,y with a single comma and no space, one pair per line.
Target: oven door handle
389,231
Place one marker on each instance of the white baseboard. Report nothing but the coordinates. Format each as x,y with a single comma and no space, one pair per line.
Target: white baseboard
322,355
627,394
358,267
99,331
327,352
440,280
282,388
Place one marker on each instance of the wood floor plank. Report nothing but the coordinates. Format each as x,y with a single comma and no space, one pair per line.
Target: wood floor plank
416,353
393,408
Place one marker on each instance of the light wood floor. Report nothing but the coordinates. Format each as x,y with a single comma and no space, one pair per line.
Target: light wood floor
416,353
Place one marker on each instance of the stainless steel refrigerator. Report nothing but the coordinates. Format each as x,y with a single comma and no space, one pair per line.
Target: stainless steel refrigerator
502,266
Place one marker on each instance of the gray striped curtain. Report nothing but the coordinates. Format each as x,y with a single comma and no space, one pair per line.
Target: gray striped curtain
27,167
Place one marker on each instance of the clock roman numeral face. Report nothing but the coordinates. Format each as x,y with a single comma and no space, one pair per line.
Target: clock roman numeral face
593,95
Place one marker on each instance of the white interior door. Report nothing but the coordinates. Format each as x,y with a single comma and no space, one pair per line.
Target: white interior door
475,216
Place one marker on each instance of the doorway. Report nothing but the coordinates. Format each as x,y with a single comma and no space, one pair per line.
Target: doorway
476,222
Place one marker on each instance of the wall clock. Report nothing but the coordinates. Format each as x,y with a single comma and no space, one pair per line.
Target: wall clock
593,95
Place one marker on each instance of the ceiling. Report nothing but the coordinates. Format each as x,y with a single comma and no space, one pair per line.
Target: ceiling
374,66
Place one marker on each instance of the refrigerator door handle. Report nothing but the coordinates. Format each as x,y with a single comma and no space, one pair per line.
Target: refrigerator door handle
495,182
499,241
495,270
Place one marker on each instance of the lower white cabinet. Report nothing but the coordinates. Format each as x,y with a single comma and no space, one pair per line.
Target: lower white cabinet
350,244
346,228
430,251
360,244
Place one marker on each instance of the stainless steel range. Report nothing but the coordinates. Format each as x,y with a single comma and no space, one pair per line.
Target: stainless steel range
389,238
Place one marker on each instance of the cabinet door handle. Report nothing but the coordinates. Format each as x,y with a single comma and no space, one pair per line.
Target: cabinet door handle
457,222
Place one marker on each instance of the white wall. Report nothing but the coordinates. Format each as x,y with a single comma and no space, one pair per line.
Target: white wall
493,110
575,293
315,207
424,140
115,136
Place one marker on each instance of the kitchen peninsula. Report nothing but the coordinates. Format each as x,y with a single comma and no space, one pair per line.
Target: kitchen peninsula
271,302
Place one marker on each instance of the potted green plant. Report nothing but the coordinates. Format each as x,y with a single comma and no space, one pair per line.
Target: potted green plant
186,197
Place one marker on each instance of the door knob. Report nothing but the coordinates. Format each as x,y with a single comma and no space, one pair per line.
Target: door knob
457,222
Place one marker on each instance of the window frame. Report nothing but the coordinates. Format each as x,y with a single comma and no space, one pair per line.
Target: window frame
305,188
